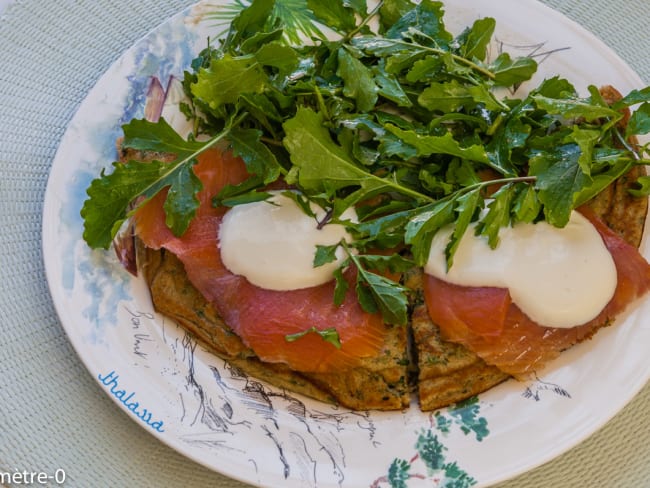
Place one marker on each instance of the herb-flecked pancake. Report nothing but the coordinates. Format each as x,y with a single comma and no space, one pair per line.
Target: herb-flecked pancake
417,131
441,372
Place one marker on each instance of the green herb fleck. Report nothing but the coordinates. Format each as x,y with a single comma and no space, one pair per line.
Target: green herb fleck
328,335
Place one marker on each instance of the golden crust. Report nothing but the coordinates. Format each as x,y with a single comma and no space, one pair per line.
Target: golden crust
622,212
447,372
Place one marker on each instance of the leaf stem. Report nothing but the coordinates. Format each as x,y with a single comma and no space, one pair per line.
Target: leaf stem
626,144
364,22
483,184
210,143
270,141
455,57
404,190
321,102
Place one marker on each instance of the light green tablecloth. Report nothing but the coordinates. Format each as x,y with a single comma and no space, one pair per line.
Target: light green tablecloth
52,413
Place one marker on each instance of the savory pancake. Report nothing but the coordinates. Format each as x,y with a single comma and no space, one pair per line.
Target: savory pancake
449,372
378,383
413,357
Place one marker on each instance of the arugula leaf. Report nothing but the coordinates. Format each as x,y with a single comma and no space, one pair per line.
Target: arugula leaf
249,21
110,197
466,208
570,108
388,86
322,164
556,87
508,137
335,14
358,81
324,167
181,203
158,136
385,231
395,263
586,140
227,79
426,20
643,188
359,6
421,228
525,204
239,197
259,159
450,96
461,173
260,39
498,215
602,180
375,292
392,10
325,254
427,68
559,180
447,96
330,335
383,47
475,41
297,22
342,285
279,56
633,98
426,145
508,71
639,123
263,110
378,293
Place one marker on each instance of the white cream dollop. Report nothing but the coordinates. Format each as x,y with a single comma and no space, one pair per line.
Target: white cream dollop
559,277
273,243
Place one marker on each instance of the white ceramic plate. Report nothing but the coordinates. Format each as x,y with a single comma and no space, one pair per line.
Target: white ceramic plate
248,430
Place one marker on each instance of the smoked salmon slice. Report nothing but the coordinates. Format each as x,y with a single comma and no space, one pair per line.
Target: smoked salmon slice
486,321
261,318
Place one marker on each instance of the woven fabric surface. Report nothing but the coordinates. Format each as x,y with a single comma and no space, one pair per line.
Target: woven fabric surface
52,413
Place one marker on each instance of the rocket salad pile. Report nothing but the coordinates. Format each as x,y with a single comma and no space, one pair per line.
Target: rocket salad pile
400,120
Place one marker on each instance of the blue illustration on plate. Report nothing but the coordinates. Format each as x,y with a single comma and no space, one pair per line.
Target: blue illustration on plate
159,56
430,460
166,51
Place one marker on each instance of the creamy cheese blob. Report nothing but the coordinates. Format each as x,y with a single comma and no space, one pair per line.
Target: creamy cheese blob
273,243
559,277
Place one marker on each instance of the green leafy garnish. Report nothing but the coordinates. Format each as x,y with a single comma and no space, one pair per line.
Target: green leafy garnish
392,114
111,195
328,335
